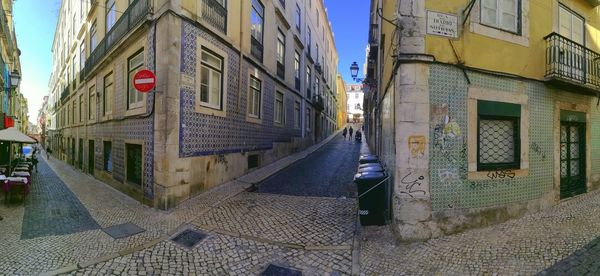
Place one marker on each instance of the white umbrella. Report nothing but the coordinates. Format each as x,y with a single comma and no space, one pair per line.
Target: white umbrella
13,135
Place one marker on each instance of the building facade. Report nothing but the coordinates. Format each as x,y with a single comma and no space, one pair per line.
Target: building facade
355,102
240,84
342,99
493,117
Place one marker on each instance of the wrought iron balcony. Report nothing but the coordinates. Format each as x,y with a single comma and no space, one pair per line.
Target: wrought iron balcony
65,93
256,49
318,102
215,14
571,65
135,14
374,35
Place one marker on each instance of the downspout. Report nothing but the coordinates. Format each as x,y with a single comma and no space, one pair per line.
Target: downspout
241,57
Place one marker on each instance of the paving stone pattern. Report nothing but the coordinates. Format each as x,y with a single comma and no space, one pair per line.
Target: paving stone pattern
523,246
328,172
52,209
222,255
287,219
584,261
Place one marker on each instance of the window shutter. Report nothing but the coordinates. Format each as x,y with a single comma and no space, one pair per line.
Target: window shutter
508,15
577,30
489,12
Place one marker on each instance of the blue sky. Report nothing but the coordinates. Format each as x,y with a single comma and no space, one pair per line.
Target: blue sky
350,22
35,21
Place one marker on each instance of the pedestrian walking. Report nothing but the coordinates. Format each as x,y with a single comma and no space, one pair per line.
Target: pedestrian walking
344,132
48,151
34,160
351,130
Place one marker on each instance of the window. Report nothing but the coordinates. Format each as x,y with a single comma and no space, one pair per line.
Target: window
297,69
111,14
74,24
308,39
502,14
108,156
93,38
498,135
308,82
92,103
571,25
282,3
74,72
307,122
280,54
256,30
81,108
81,56
107,95
279,108
134,65
134,163
298,18
254,98
211,80
317,85
297,114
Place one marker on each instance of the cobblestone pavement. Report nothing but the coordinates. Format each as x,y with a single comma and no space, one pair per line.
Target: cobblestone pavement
523,246
327,172
52,209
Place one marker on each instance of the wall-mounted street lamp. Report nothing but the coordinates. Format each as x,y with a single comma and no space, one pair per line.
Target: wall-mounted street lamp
15,79
354,72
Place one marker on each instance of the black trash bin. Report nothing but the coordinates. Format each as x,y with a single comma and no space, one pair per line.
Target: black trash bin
372,167
371,197
364,159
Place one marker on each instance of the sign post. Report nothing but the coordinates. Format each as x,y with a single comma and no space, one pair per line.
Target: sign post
144,81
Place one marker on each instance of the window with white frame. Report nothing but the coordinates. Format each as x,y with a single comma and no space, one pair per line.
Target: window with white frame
571,25
107,96
211,80
134,65
254,98
502,14
298,17
279,108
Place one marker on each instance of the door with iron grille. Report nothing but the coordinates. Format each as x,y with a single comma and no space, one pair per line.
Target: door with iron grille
572,159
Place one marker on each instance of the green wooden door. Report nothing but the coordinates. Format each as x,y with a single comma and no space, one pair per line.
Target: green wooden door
572,159
91,160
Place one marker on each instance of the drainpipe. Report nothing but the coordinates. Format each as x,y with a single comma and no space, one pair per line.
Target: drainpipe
241,57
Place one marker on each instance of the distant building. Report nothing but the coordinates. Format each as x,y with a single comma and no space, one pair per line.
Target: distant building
240,84
355,96
342,102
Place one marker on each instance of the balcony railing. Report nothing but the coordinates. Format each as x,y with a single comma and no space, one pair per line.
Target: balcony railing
136,12
82,75
374,35
64,94
215,14
256,49
280,70
571,63
318,102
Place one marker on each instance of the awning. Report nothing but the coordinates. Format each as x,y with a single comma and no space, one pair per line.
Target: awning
13,135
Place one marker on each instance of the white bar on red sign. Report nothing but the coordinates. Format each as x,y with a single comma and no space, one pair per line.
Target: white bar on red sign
143,81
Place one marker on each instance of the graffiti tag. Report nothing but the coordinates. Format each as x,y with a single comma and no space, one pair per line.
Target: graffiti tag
501,174
412,187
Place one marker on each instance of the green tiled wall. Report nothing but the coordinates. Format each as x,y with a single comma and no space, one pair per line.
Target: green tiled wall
449,186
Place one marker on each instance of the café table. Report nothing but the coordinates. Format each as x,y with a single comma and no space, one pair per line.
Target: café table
12,182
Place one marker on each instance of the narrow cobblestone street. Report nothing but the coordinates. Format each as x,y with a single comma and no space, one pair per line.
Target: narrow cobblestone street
243,233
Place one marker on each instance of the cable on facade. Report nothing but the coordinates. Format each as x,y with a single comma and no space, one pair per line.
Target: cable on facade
385,19
468,10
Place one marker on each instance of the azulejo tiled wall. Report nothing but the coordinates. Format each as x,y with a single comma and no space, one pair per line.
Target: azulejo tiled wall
202,134
122,129
449,186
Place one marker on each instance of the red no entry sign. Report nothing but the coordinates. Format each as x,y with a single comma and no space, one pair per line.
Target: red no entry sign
144,81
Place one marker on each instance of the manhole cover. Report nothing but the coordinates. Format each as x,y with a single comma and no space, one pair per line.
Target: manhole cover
123,230
189,238
275,270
